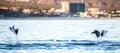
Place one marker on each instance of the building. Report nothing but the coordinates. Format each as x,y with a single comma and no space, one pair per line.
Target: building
65,6
76,7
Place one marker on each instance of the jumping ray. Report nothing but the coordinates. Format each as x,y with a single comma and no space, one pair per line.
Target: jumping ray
99,34
14,30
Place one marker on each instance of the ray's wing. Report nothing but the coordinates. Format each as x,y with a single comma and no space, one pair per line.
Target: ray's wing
16,31
103,33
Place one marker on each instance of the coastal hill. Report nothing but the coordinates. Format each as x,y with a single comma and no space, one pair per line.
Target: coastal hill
105,4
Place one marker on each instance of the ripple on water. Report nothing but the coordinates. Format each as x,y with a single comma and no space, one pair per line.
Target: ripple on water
89,45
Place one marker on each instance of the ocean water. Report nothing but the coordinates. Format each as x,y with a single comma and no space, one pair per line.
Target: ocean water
59,36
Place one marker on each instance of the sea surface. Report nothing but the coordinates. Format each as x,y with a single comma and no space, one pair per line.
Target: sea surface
59,36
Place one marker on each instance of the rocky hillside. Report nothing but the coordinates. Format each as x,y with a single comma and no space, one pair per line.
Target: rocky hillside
105,4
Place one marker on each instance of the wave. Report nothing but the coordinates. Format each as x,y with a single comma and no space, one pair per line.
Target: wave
56,44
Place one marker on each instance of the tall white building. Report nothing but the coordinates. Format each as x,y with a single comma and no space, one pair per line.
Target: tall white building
65,6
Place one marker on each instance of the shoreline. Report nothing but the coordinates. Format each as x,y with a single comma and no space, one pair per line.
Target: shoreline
61,18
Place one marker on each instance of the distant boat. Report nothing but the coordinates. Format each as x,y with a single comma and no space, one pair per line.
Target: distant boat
14,30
